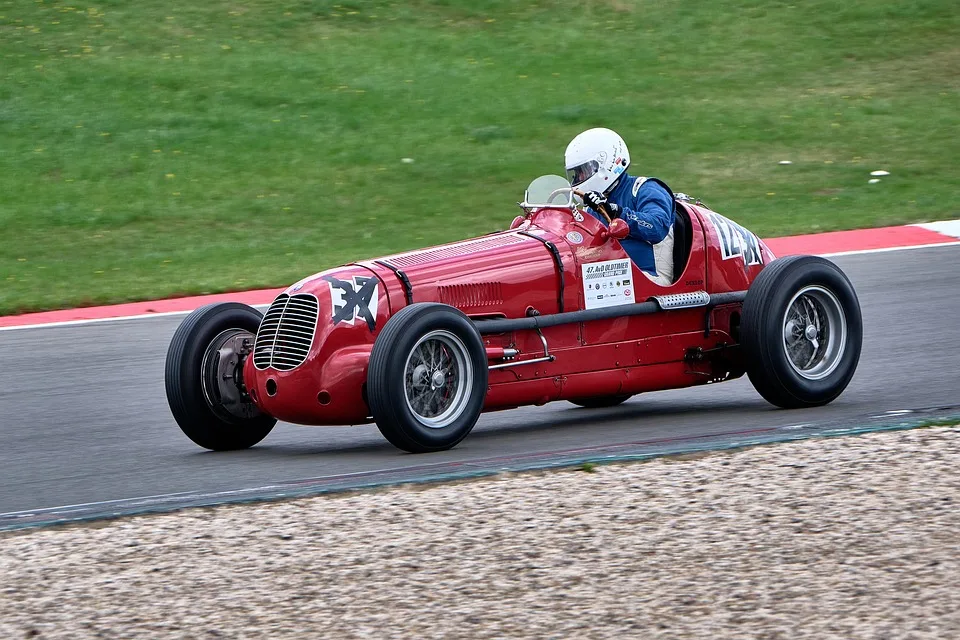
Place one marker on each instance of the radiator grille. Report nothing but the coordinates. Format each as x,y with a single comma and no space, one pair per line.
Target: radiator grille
286,332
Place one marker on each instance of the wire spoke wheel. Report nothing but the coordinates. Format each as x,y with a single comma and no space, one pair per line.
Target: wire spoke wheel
801,332
437,376
814,332
427,378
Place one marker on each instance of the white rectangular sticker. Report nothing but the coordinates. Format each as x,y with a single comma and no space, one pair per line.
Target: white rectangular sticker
607,283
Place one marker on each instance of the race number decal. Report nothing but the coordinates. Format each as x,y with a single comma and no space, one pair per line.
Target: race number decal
607,284
735,241
354,298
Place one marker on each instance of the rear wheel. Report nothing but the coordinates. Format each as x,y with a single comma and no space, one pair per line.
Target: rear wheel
602,402
204,378
801,332
427,378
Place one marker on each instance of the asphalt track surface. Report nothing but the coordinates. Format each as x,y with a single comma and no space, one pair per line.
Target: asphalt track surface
84,419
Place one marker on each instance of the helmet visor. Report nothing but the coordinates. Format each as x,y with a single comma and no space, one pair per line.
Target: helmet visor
580,173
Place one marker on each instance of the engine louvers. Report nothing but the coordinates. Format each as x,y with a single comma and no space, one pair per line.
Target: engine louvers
471,296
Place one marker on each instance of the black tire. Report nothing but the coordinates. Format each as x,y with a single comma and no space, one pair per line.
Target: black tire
764,323
602,402
208,425
387,377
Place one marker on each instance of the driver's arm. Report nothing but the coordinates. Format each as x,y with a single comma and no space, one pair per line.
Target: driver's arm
650,214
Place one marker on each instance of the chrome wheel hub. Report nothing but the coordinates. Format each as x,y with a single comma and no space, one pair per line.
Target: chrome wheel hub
437,380
814,332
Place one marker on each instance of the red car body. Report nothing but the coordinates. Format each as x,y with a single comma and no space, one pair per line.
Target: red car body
533,269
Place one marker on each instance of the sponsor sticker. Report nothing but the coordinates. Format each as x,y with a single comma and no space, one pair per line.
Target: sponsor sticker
575,237
577,216
611,276
735,241
354,298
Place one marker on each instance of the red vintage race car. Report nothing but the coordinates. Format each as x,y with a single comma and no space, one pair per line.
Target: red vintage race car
553,309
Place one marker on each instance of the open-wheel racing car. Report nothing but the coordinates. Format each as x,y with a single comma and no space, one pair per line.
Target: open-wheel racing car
552,309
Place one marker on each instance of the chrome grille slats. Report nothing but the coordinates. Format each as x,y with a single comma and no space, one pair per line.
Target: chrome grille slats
298,322
286,332
267,334
291,330
298,344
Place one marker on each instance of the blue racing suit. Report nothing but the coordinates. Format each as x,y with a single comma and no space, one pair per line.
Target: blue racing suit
648,210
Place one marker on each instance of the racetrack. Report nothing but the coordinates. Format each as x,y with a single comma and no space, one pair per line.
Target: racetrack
83,415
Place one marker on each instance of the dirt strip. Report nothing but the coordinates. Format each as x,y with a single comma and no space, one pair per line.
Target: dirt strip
855,537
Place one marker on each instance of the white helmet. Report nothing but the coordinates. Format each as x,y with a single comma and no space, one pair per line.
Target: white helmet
595,159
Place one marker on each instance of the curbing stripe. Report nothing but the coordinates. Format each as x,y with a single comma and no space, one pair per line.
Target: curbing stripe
947,227
837,242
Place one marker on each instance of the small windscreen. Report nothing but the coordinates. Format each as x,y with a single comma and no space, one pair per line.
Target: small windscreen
541,189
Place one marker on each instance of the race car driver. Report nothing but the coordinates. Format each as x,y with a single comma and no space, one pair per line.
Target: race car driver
596,162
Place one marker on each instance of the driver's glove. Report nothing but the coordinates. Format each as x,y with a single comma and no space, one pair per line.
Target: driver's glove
598,202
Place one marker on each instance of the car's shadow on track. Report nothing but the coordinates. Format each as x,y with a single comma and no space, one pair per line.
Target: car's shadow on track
625,415
638,418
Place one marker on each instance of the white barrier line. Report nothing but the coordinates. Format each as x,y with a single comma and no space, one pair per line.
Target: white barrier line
74,507
161,498
142,316
888,249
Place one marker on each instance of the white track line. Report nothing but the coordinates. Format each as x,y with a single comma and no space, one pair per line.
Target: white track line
147,316
887,249
142,316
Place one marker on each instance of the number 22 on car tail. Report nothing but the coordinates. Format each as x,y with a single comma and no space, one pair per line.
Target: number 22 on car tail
737,255
735,241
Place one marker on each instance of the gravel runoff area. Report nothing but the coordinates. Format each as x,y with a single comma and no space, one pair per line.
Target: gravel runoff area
855,537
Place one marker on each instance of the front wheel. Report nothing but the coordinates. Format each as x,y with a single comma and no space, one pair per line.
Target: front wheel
801,332
427,378
204,378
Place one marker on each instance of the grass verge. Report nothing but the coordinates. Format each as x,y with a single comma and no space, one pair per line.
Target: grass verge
157,148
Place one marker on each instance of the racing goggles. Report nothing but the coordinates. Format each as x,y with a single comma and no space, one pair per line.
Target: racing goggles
581,173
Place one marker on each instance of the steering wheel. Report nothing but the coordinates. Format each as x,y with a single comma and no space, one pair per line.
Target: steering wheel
602,212
569,204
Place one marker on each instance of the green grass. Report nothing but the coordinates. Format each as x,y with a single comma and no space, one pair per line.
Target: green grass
155,148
